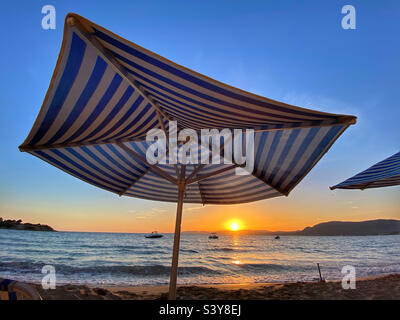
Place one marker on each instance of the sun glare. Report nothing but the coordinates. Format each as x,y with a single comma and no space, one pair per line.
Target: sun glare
234,226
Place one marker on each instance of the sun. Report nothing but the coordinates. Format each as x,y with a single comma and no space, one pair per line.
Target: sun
234,226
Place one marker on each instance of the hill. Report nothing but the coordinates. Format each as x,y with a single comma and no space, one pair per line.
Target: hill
18,225
363,228
331,228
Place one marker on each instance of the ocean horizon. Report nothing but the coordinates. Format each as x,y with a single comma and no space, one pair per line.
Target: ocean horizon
126,259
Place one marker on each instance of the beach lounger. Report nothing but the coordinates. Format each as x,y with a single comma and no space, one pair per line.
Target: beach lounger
14,290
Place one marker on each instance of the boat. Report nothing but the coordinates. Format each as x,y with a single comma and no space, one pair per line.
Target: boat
213,236
277,237
153,235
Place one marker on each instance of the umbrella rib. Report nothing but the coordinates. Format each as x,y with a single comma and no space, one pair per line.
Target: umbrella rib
214,173
311,124
201,193
367,184
75,144
201,166
284,193
159,115
211,174
152,167
194,173
134,182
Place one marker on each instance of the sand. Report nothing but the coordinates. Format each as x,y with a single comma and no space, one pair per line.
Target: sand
376,288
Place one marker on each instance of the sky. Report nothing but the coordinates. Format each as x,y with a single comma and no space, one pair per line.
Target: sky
292,51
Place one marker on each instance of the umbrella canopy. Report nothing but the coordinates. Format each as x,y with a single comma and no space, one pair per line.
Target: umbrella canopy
385,173
106,93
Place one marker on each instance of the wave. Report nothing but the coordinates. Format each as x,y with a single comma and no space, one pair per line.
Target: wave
137,270
188,251
225,249
142,251
260,267
112,247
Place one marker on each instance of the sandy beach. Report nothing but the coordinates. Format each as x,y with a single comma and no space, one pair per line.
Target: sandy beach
374,288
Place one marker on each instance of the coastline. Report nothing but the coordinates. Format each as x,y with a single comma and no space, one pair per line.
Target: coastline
369,288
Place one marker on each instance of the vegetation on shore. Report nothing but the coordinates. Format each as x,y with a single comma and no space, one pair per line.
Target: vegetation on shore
18,225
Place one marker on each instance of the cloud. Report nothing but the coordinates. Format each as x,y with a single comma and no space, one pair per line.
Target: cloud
192,208
202,206
145,214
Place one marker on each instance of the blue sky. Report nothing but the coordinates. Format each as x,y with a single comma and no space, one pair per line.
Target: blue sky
291,51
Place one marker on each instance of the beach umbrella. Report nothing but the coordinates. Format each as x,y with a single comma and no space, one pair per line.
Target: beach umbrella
107,93
385,173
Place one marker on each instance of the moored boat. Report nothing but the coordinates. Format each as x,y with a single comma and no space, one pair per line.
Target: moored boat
153,235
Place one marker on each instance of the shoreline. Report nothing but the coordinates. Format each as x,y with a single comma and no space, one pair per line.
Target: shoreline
367,288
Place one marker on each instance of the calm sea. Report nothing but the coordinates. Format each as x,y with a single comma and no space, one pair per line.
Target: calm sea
130,259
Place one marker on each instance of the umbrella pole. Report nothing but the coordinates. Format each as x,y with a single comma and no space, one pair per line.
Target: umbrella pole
175,254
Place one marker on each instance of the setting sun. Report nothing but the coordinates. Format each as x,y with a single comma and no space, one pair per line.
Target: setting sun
234,226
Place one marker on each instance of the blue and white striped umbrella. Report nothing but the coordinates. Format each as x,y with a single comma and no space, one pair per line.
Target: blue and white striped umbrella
385,173
106,93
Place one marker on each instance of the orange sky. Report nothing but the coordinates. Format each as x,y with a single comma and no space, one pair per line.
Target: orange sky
109,213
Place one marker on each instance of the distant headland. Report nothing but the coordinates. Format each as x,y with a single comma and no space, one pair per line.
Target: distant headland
18,225
332,228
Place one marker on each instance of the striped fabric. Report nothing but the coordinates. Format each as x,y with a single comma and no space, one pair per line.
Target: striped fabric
4,286
14,290
106,93
382,174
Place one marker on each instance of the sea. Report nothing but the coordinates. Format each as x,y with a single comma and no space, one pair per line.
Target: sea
124,259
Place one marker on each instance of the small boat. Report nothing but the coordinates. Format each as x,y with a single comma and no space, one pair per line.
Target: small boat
153,235
213,236
277,237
